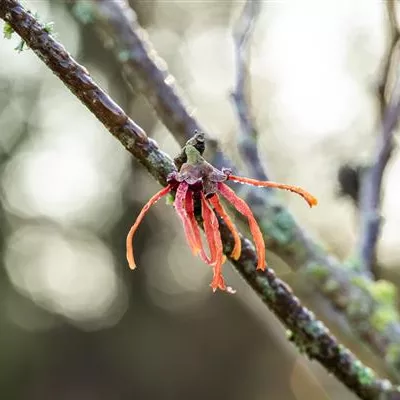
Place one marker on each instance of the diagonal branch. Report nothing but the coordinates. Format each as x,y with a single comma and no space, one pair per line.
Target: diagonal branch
355,298
370,194
247,137
308,333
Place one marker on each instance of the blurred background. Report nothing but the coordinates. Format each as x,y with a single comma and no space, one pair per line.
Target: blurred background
75,322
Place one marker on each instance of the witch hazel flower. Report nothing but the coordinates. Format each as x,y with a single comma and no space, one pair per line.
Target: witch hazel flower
199,182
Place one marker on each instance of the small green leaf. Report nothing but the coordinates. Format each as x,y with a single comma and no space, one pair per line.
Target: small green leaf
7,31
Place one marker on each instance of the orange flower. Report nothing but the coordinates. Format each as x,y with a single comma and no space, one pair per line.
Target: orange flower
199,181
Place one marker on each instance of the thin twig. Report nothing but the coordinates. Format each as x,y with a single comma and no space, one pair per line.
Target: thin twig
352,297
371,183
394,36
308,333
247,137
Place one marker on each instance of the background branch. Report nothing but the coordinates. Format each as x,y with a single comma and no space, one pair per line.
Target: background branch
371,182
394,36
247,137
308,333
353,297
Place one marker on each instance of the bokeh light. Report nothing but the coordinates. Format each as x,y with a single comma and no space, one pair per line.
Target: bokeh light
73,275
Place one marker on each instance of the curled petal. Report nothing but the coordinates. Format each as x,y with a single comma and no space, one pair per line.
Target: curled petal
244,209
129,238
180,207
211,228
195,228
309,198
237,249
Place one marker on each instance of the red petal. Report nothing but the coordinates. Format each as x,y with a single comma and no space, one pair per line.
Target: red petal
244,209
180,207
211,228
214,200
206,213
309,198
129,246
195,228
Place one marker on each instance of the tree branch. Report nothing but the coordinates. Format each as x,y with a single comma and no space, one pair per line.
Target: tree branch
308,333
247,138
79,82
374,319
388,60
371,184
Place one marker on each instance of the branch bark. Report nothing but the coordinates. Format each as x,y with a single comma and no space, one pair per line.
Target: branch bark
247,137
371,184
355,298
309,334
